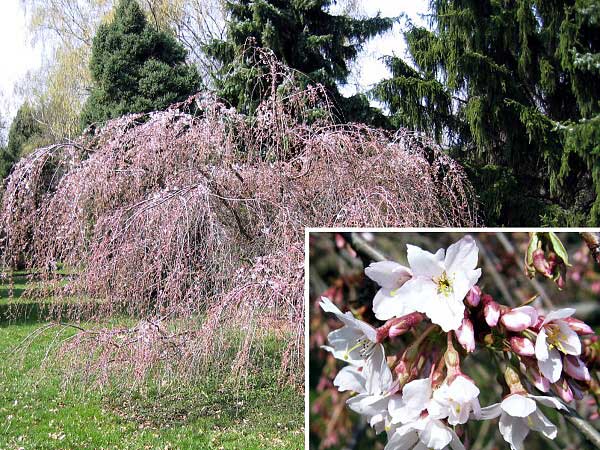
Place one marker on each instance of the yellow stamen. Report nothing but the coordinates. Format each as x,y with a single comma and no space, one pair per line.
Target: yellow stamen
444,284
554,337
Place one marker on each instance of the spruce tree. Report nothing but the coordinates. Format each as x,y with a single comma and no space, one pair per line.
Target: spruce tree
513,87
305,36
135,67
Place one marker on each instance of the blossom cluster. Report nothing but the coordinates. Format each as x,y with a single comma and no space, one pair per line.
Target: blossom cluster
420,396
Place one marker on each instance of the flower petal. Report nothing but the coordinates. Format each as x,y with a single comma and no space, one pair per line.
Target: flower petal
518,405
463,282
416,293
416,395
462,255
559,314
569,339
489,412
424,264
444,311
549,401
388,274
403,437
514,430
463,390
435,435
541,346
386,305
377,373
551,368
539,422
348,319
350,379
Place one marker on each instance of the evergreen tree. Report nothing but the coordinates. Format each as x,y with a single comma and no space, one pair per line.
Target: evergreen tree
135,68
304,36
25,134
514,89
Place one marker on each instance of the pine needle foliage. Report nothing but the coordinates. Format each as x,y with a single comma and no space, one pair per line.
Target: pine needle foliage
513,87
135,67
305,36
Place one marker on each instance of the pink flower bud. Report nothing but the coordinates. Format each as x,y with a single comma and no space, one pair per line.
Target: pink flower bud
522,346
398,326
474,296
491,310
466,335
561,281
539,380
519,319
561,387
541,264
576,368
578,326
578,393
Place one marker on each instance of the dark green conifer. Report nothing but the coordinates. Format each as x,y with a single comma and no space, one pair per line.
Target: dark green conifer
514,89
305,36
135,68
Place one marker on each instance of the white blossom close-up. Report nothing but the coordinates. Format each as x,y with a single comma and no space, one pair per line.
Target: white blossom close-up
555,340
519,413
439,283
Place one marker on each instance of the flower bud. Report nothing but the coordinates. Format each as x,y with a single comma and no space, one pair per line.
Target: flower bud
539,380
513,381
491,310
522,346
578,393
541,264
576,368
466,335
563,390
452,359
561,280
519,319
474,296
399,325
579,326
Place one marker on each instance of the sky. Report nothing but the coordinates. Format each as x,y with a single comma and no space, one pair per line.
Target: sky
18,56
16,53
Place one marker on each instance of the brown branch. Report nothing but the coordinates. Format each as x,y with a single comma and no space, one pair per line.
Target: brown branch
363,248
592,240
590,433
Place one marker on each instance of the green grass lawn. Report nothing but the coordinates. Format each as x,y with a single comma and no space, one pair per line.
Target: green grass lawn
36,412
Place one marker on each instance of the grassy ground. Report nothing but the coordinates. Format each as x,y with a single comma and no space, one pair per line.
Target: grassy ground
37,413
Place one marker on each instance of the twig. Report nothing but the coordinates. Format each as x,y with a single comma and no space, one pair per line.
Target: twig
584,427
363,248
592,240
535,283
500,284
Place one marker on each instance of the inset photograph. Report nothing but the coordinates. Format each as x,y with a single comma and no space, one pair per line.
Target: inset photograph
454,340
